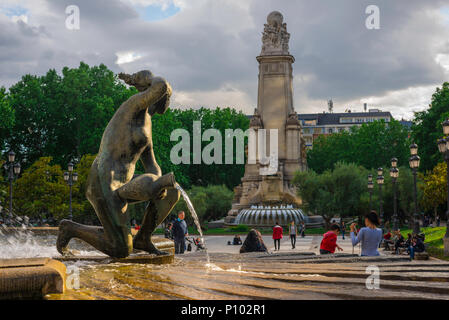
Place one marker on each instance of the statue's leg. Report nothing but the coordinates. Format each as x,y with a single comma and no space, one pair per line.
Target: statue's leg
148,187
155,213
114,238
95,236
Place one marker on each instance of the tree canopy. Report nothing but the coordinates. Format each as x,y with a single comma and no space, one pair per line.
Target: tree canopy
427,128
63,115
371,145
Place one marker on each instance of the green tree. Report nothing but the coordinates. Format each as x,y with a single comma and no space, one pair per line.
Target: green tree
371,145
63,116
198,174
335,192
7,118
434,188
84,212
426,129
41,192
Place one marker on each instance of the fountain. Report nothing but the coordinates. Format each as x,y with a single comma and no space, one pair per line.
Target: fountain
194,216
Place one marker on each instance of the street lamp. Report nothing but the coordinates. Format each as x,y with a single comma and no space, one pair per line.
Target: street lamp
370,190
443,146
394,174
414,165
70,177
13,170
380,182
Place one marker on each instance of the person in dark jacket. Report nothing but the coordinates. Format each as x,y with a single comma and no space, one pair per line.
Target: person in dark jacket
168,233
417,245
180,232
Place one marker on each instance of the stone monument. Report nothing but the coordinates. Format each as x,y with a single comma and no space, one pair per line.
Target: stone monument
263,199
112,185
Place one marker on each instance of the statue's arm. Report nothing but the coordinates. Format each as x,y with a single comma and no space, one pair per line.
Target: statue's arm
149,162
143,100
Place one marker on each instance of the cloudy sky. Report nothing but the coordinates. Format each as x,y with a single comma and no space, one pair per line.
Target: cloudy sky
207,48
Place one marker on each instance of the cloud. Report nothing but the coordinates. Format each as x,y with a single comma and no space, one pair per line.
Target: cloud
207,49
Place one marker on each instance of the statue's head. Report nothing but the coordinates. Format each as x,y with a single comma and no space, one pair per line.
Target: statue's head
161,106
141,80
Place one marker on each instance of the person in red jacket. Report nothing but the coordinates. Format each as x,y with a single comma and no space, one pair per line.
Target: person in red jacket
277,236
329,242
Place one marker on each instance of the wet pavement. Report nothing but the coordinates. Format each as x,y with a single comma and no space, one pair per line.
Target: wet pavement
288,274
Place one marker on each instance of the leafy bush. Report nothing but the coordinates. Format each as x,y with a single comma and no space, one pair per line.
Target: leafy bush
240,228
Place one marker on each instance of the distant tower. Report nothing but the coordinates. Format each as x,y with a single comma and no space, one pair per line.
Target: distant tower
365,106
330,106
274,111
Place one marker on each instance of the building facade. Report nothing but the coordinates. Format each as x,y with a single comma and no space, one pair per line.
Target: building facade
315,125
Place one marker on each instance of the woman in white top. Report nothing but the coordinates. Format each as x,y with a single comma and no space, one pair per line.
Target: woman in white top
370,236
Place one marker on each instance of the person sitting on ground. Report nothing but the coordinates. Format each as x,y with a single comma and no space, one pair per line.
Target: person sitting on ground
399,242
237,241
329,242
417,245
408,242
370,236
388,240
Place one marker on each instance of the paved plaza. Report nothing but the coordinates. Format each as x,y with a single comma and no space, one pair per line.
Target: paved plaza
218,244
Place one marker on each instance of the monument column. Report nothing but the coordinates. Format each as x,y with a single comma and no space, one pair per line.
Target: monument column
275,98
268,196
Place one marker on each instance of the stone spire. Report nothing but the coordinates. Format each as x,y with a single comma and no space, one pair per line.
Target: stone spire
275,36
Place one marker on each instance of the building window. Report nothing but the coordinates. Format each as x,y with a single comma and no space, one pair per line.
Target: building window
310,122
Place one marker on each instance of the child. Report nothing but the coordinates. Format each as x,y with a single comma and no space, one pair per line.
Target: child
329,242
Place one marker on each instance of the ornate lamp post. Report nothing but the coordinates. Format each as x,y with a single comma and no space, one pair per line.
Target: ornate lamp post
70,177
414,164
13,170
370,190
443,146
394,174
380,182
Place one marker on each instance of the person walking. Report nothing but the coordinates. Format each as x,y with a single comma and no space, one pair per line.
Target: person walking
329,242
293,234
438,220
342,228
370,236
277,236
180,232
303,229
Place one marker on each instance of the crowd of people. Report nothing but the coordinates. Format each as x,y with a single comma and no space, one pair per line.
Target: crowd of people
370,237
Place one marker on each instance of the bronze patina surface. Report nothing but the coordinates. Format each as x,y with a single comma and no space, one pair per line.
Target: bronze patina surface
112,185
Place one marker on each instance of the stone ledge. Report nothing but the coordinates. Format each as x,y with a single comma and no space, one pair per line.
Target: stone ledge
139,258
31,278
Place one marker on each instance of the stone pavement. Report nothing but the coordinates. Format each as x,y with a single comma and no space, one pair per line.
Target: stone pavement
306,244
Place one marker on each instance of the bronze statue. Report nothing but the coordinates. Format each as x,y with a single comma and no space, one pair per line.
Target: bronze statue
112,186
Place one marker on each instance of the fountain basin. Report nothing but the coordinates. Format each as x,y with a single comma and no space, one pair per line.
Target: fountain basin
264,216
31,278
